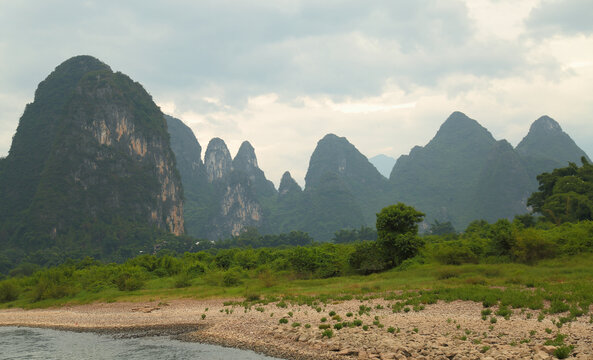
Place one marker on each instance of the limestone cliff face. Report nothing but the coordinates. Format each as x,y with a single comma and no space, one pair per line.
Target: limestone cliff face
288,185
226,197
109,159
217,159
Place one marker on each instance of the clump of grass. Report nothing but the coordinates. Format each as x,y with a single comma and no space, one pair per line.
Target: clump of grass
484,349
283,321
563,351
338,326
391,329
203,316
365,327
327,333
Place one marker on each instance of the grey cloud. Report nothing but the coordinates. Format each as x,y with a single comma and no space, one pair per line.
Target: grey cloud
568,17
247,47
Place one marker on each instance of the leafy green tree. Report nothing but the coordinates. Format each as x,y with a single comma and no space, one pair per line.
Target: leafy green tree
565,194
441,228
397,230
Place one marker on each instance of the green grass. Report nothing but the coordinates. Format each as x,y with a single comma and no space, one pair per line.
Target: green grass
565,283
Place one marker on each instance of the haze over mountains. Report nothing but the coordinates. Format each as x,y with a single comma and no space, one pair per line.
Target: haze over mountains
462,174
93,156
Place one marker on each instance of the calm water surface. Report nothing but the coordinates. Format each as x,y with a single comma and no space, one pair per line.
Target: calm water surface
30,343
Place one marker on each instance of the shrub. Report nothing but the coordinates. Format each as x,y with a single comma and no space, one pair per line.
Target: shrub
327,333
231,277
182,280
531,246
9,291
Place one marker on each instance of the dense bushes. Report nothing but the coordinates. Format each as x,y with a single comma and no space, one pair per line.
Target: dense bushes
502,241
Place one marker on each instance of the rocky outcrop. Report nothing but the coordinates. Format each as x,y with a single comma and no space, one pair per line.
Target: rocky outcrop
217,160
97,156
547,147
288,185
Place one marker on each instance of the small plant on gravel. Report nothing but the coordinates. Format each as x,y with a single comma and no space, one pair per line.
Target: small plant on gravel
337,318
513,343
323,319
476,341
563,351
332,313
558,306
557,341
318,309
349,314
486,312
493,320
541,317
504,311
491,327
548,330
282,304
283,321
327,332
365,327
532,332
529,316
484,317
415,330
203,316
307,326
379,307
338,326
206,309
295,324
324,326
418,308
463,338
468,331
458,326
448,320
524,341
290,313
391,329
406,309
484,349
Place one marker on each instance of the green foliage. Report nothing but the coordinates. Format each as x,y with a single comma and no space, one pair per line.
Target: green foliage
346,236
9,291
441,228
367,258
565,194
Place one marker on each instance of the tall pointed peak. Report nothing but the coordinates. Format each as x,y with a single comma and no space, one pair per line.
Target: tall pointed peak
84,63
246,156
458,120
459,128
545,124
217,159
288,184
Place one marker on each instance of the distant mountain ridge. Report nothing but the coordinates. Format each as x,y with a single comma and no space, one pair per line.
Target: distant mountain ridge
462,174
93,156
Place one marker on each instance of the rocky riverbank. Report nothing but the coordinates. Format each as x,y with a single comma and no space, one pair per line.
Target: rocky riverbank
349,329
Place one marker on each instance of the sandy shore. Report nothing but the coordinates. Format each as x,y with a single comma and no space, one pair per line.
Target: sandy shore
440,331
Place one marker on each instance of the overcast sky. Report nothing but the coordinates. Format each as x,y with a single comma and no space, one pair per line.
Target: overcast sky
283,73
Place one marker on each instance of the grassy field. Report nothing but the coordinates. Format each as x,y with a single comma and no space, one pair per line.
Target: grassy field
561,285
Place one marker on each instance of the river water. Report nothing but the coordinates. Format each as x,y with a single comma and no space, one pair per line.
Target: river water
31,343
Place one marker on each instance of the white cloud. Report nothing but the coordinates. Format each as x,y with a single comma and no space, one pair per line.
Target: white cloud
282,74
